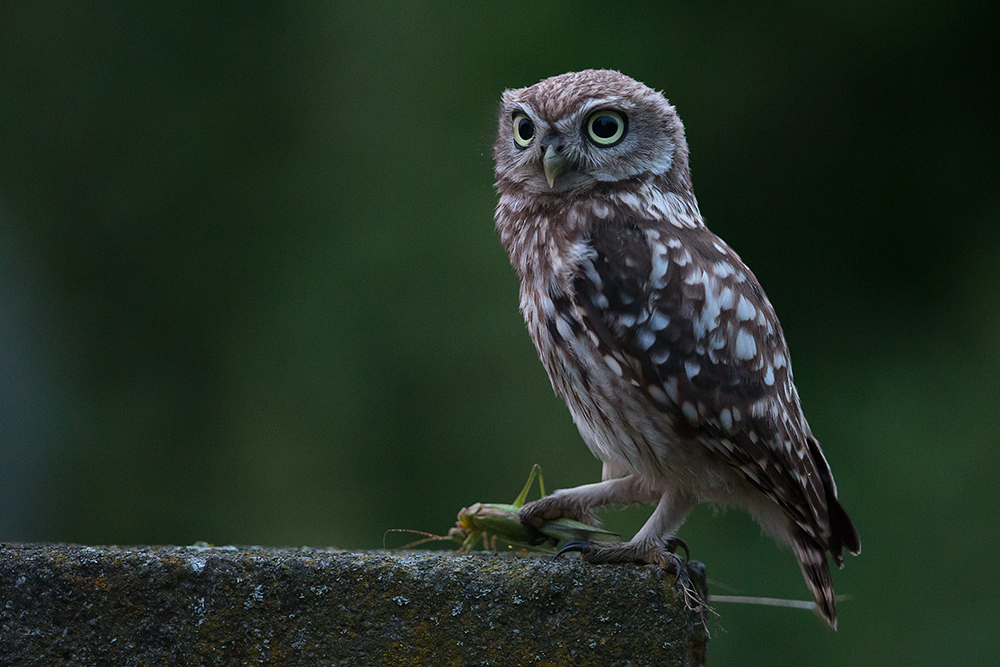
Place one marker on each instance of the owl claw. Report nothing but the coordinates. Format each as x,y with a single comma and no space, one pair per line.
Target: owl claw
632,553
581,546
552,507
680,566
675,542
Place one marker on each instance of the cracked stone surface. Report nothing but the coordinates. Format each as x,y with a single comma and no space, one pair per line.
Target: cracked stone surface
67,604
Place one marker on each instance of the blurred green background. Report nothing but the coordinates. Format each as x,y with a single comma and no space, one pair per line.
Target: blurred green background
250,290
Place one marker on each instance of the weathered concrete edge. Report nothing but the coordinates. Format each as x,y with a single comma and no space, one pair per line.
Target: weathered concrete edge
70,604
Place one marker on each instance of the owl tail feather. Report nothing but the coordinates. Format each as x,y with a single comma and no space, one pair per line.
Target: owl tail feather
842,532
816,571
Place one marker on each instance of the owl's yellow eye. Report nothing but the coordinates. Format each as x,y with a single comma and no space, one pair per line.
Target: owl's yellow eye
524,130
606,127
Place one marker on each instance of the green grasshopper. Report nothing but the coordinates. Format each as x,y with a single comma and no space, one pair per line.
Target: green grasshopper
501,521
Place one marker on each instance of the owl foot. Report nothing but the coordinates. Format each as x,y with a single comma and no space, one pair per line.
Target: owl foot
632,552
534,514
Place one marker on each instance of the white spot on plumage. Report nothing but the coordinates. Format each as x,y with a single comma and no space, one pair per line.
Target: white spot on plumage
745,310
660,265
657,394
689,411
666,206
631,200
646,339
710,312
593,275
726,417
659,321
574,216
746,347
696,276
613,364
545,305
564,328
659,356
722,269
681,220
671,388
691,368
726,297
769,376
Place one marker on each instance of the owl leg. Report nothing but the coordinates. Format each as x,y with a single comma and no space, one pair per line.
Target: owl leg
654,543
579,502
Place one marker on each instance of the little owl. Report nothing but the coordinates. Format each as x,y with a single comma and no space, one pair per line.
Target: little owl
660,340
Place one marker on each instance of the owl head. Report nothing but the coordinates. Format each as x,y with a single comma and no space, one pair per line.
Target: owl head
589,131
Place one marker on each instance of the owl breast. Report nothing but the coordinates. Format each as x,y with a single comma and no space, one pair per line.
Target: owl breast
585,366
642,341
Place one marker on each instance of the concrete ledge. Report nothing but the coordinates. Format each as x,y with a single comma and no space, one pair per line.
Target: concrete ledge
67,604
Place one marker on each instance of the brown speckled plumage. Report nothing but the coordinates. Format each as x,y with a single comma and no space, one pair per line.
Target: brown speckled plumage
659,338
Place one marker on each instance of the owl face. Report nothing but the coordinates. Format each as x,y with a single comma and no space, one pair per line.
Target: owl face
572,132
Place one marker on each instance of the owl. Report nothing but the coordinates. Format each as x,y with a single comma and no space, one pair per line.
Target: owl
659,338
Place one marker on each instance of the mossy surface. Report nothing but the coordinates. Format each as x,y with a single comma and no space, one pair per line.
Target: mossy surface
67,604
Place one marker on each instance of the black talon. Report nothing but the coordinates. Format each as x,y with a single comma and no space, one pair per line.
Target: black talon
582,546
680,566
675,542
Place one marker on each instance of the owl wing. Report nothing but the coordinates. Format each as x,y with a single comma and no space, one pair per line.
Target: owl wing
688,320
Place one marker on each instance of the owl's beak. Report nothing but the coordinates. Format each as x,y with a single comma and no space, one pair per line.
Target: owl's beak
554,164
